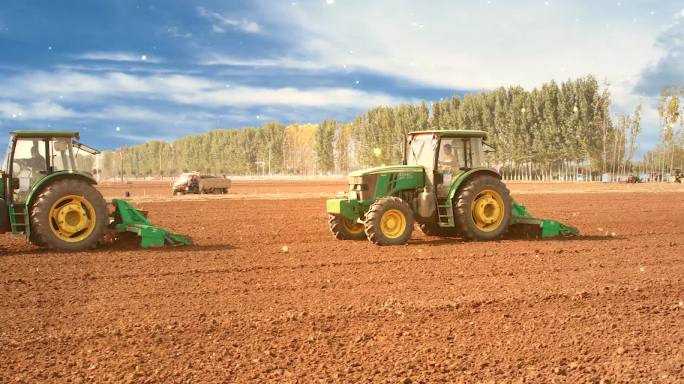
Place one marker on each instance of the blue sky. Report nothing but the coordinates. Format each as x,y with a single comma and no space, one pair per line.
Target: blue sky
124,72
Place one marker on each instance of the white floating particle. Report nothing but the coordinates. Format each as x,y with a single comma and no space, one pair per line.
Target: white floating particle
227,85
642,269
258,117
330,2
118,129
285,249
14,115
357,81
143,57
50,48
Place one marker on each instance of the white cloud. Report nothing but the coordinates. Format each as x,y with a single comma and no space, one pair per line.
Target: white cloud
281,62
184,89
219,22
118,56
468,45
38,110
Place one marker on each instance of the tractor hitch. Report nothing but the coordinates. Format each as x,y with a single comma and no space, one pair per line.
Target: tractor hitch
128,219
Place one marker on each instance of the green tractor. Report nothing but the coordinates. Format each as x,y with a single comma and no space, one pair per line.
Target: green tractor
443,186
45,197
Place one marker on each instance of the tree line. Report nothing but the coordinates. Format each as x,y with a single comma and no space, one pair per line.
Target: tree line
668,156
556,130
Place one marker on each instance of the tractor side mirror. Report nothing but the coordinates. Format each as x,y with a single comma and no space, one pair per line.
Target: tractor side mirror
15,183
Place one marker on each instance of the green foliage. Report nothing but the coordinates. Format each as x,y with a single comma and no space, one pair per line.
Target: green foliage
540,129
324,137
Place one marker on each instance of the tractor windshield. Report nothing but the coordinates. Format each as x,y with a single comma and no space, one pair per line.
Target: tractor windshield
6,156
421,150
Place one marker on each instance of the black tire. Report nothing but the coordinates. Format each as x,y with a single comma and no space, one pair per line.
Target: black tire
464,216
343,229
42,224
374,218
433,229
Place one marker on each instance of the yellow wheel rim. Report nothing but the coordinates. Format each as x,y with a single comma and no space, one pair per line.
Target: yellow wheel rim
393,223
72,218
488,210
352,227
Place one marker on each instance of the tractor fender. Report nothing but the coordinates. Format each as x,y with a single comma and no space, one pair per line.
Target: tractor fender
456,184
61,175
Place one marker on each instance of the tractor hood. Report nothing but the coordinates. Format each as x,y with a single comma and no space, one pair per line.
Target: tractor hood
388,169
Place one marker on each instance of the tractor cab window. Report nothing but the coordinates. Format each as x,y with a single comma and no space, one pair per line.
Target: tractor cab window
421,151
29,165
449,154
449,162
5,159
62,155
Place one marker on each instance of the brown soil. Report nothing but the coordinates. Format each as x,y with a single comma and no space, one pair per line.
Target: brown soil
267,295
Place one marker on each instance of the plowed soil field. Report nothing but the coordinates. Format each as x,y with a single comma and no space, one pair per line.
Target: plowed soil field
267,295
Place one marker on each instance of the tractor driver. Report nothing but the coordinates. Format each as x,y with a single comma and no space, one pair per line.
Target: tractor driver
446,157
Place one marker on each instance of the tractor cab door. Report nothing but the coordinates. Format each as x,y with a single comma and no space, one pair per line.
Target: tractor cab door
452,160
28,165
455,157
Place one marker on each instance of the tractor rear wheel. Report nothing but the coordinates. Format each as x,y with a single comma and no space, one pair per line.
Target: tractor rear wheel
389,221
433,229
68,215
345,229
482,210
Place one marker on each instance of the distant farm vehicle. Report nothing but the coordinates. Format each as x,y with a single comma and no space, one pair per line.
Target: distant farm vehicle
633,179
677,176
45,197
442,186
194,182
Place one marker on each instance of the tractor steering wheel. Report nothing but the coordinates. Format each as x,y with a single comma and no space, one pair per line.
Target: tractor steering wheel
17,166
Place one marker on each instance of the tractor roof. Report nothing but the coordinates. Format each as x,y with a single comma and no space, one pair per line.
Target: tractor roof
45,134
454,133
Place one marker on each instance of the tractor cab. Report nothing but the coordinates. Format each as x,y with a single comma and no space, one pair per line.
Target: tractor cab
35,155
445,155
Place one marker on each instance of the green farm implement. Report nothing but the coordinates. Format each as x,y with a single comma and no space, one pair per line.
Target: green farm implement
46,197
443,186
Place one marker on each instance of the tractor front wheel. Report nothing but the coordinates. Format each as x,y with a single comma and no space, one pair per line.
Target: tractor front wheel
482,210
345,229
68,215
389,221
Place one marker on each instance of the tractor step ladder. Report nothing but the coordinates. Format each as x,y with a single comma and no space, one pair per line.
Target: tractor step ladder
19,218
446,214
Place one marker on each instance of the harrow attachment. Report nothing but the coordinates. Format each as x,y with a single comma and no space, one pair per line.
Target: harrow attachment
128,219
523,223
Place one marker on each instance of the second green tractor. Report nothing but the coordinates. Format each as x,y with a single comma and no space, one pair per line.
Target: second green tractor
443,186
